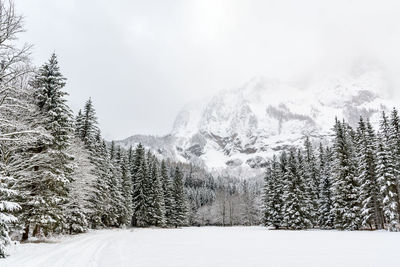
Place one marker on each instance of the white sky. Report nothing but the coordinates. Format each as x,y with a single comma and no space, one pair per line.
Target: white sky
141,61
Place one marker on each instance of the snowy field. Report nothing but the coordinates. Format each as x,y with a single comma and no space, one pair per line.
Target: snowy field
211,246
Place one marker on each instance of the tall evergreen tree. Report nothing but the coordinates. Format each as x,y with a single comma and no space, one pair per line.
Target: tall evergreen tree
99,203
169,200
126,187
87,126
157,196
140,189
273,188
345,195
365,151
295,213
311,182
7,208
326,217
48,168
180,208
386,173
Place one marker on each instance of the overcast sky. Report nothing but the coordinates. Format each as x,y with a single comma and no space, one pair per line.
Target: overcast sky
141,61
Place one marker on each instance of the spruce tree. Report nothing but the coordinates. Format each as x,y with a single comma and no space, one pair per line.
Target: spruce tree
7,208
295,216
388,188
169,201
118,209
140,189
180,208
268,194
273,188
126,187
326,217
394,143
87,125
157,196
368,190
99,203
311,182
47,165
386,172
345,194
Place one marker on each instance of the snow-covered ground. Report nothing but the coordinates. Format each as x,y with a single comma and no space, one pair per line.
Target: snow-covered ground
212,246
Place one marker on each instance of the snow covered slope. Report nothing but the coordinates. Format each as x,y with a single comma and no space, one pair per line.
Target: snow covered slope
212,246
238,129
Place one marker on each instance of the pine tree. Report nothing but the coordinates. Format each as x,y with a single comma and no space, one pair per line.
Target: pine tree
87,125
180,208
388,188
268,194
273,203
169,201
47,167
79,124
368,191
117,207
386,174
124,166
326,217
394,143
345,194
157,196
312,182
140,189
7,208
99,201
295,213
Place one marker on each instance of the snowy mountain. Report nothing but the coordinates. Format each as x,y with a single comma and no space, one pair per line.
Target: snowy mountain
238,129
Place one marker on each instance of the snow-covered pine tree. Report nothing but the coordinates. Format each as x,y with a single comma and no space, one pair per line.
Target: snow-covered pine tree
88,125
99,201
157,196
167,195
388,188
326,217
117,210
282,174
180,208
140,189
7,208
126,186
344,193
273,195
47,166
295,216
312,181
387,178
394,143
79,124
268,194
366,166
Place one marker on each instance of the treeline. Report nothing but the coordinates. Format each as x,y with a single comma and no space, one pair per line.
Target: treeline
352,184
129,188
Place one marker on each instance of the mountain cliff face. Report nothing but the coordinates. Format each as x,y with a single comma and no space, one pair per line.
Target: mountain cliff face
237,130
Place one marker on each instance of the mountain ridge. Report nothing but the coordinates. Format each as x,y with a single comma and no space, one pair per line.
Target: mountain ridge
235,131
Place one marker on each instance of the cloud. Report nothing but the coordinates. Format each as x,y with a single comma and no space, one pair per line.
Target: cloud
141,61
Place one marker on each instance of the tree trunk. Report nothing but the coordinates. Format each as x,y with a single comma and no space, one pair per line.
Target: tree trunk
25,235
36,230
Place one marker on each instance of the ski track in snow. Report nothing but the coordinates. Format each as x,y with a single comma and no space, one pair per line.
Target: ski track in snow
211,246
